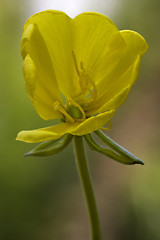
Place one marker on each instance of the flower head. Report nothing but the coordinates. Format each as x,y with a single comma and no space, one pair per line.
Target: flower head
77,70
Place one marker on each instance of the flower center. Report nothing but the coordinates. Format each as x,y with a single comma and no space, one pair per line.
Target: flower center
86,83
72,112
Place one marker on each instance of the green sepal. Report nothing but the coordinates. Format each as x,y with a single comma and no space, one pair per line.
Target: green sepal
116,147
43,149
110,153
45,144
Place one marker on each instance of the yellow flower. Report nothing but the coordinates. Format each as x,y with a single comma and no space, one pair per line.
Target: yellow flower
77,70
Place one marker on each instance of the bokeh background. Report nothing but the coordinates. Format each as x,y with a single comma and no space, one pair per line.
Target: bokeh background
41,198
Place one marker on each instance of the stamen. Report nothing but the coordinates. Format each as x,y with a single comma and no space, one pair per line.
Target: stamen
84,79
94,92
75,62
58,107
70,100
82,66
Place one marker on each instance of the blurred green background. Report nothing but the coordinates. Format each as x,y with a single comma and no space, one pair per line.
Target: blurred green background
41,198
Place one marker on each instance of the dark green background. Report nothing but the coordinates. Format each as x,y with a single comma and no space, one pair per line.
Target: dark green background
41,198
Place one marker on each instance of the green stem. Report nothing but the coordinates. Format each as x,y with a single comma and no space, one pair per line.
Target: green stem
87,187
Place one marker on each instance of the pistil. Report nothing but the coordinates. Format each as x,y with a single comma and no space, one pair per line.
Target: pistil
58,107
72,112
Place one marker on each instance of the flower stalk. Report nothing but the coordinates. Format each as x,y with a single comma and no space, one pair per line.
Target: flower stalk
87,188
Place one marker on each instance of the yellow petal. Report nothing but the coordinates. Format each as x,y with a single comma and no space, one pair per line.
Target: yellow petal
92,37
93,123
95,36
135,42
44,134
39,95
124,73
39,74
115,102
55,28
97,43
57,131
135,46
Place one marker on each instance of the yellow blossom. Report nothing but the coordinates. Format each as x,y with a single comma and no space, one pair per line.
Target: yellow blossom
77,70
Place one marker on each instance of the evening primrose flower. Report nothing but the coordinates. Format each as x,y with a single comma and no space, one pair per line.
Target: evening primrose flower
77,70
